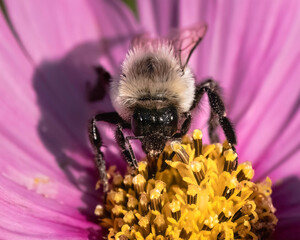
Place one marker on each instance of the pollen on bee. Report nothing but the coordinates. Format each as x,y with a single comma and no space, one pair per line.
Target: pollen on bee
202,193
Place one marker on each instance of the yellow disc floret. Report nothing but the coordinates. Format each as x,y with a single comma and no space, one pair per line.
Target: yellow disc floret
202,194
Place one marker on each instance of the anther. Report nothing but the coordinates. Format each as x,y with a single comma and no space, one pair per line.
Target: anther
222,217
145,225
99,211
139,183
227,192
184,234
205,228
226,146
129,218
197,168
192,194
175,209
197,139
230,187
245,172
237,215
230,157
132,202
117,197
155,199
210,222
117,210
128,181
241,176
143,169
180,152
117,180
143,205
160,224
160,185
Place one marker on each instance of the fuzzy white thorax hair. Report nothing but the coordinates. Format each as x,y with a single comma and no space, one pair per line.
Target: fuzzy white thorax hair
152,72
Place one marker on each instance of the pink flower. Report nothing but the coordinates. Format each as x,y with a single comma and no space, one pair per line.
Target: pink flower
47,53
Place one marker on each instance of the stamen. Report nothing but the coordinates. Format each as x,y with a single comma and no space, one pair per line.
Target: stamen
175,209
192,194
145,225
210,222
117,197
143,205
127,181
184,234
230,188
197,137
155,199
237,215
160,224
143,169
118,180
222,217
160,185
139,183
245,172
202,194
99,211
197,168
230,157
132,202
117,210
129,218
180,152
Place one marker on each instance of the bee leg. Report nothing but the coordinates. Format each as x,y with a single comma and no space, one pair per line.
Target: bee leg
127,153
96,141
185,126
212,127
216,103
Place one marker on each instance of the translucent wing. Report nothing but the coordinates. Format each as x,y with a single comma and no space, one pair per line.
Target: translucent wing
185,42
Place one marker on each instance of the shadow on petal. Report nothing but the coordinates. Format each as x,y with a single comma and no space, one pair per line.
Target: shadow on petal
60,87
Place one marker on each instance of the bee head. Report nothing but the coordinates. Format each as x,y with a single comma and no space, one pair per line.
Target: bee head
146,122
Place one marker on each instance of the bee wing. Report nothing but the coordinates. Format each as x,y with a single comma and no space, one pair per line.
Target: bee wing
185,42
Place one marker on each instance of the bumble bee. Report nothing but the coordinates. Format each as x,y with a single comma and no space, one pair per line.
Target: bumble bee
154,97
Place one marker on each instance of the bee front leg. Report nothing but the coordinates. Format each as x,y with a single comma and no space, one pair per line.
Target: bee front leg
185,126
127,153
96,141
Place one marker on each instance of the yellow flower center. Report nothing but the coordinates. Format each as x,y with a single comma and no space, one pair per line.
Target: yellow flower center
200,192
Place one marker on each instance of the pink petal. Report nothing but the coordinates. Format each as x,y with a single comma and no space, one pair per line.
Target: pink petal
64,57
24,160
252,49
283,151
56,27
45,155
286,200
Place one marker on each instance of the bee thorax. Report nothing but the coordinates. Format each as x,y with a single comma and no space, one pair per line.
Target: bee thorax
152,75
